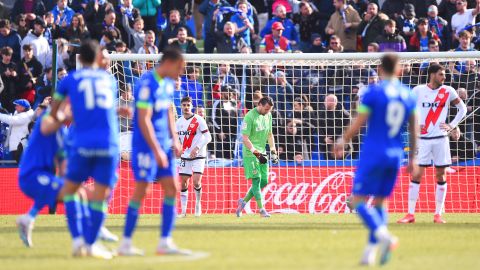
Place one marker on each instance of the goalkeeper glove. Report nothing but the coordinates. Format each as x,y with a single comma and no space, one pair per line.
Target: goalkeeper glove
260,157
274,156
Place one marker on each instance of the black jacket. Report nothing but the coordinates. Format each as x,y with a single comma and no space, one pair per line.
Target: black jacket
191,47
375,28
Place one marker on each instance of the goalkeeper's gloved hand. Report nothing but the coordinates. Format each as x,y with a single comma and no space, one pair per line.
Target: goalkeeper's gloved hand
260,157
274,156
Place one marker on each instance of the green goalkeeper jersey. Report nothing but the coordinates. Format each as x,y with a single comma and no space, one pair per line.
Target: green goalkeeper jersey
257,127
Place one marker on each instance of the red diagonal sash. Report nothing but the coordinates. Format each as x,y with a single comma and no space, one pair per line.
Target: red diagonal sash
191,131
433,115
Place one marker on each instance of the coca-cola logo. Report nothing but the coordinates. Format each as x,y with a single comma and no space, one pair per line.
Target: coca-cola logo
312,195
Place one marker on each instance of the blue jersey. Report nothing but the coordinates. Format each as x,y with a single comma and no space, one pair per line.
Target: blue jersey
92,95
41,151
390,105
154,92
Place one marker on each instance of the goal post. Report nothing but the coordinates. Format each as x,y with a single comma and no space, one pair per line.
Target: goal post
316,96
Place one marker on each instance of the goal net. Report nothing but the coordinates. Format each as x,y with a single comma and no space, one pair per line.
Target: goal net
316,96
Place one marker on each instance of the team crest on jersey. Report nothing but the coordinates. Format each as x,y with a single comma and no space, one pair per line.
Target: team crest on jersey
43,180
441,96
192,125
144,92
244,125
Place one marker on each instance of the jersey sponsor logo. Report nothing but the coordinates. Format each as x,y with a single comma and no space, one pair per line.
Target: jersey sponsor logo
192,130
43,180
434,112
432,104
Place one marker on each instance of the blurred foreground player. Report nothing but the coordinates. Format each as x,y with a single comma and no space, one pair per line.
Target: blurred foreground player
385,107
154,147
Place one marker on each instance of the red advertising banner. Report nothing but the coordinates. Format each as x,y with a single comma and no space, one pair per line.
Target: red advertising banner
290,190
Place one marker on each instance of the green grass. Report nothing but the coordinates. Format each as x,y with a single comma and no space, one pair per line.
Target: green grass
281,242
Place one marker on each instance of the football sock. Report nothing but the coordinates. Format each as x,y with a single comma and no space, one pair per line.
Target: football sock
73,214
98,210
382,213
86,222
33,212
440,194
249,196
413,191
256,192
198,194
184,200
370,217
131,219
168,216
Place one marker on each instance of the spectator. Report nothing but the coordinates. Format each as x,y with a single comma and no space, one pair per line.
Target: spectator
289,30
184,42
224,120
10,38
306,118
108,40
108,24
344,23
465,42
224,77
31,8
317,44
22,27
136,34
127,9
192,86
275,42
373,47
171,31
309,23
184,7
210,9
29,71
178,94
148,11
467,126
41,48
433,46
371,26
419,41
77,29
393,8
44,88
122,69
332,121
261,8
62,13
335,45
149,45
406,22
463,17
391,41
262,78
447,9
227,41
244,22
9,78
360,6
439,26
461,147
94,15
18,123
282,93
291,146
4,11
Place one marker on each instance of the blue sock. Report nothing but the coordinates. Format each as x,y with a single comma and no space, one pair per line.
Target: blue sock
369,217
168,216
97,216
33,212
381,211
74,214
131,219
86,221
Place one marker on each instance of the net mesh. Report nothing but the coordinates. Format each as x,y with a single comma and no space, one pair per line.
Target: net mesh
315,100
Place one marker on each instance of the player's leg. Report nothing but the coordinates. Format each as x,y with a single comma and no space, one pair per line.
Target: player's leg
250,165
73,212
198,168
263,183
184,193
442,160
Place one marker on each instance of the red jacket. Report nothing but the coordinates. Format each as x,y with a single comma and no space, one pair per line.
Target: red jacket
283,43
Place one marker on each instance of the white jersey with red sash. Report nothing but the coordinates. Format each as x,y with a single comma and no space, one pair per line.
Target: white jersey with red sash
190,132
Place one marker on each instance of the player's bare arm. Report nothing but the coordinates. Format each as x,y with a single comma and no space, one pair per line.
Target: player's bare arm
177,148
461,112
413,136
146,127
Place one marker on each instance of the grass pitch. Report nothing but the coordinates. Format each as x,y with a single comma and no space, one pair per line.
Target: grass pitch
281,242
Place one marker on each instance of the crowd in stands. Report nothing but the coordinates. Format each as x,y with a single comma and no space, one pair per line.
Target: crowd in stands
314,104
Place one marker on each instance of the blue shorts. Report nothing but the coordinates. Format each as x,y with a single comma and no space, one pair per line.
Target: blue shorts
376,178
42,187
145,167
103,169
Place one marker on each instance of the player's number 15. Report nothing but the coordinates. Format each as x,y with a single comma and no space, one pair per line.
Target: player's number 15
97,93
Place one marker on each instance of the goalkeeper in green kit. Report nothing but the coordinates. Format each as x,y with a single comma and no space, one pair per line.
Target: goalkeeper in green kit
256,130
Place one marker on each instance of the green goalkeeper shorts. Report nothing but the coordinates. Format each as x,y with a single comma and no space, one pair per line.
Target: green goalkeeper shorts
253,168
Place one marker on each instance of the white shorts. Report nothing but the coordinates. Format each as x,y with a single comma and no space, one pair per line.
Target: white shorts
189,167
436,150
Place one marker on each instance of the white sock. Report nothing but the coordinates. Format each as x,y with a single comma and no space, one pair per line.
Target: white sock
413,191
77,241
166,241
440,194
183,201
198,195
126,241
382,233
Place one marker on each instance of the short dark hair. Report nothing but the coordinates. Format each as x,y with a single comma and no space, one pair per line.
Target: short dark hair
172,54
27,47
265,100
422,21
186,99
391,23
4,23
388,63
60,69
464,33
6,51
433,42
434,68
88,51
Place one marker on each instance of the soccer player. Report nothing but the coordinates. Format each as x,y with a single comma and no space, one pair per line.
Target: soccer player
385,107
153,159
256,131
194,136
94,148
433,102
